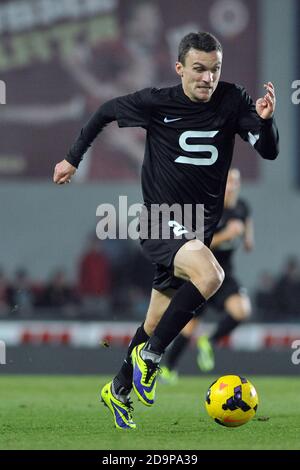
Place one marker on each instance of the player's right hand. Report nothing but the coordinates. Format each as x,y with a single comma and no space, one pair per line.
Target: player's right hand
63,172
235,228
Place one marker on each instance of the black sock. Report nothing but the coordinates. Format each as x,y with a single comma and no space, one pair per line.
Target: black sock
176,349
139,337
123,380
225,326
177,315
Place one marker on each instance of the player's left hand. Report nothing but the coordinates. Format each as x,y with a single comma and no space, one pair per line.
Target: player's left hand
63,172
265,106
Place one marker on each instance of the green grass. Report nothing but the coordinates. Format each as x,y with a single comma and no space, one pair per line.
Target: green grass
52,412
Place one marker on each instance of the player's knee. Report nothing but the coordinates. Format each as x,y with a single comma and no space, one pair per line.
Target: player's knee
241,309
221,274
246,311
241,315
210,282
216,279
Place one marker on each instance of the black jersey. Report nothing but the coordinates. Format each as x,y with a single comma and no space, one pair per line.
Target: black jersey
224,252
189,145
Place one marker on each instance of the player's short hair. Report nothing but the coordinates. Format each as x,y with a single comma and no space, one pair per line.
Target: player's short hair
201,41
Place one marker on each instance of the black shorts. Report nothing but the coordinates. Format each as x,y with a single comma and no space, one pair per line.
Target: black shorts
164,279
162,253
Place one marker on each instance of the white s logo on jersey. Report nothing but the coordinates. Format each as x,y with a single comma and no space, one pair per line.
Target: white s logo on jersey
197,148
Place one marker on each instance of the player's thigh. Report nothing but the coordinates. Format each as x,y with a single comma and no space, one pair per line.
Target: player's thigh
159,302
196,262
238,306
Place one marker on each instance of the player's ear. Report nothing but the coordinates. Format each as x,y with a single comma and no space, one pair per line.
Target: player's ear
179,68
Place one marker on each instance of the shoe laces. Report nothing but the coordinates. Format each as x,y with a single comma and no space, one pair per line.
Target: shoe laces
128,404
152,370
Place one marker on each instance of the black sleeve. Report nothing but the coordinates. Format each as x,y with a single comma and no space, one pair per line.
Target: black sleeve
130,111
104,115
261,133
134,110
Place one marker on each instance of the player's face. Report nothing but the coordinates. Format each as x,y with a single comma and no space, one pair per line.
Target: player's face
200,74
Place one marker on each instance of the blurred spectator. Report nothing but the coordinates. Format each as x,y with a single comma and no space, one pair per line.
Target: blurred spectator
265,300
288,289
59,294
95,278
20,293
120,253
4,294
141,277
94,271
142,272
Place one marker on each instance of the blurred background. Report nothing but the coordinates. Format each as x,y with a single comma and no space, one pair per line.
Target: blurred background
69,302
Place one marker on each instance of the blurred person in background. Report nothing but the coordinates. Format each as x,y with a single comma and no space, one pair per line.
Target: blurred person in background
59,295
288,290
21,293
141,275
235,227
95,278
265,298
4,294
177,169
120,253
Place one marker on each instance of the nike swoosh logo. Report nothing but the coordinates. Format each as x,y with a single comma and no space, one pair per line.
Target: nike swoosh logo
143,390
136,371
166,120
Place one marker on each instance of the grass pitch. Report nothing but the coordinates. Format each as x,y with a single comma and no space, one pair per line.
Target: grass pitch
64,412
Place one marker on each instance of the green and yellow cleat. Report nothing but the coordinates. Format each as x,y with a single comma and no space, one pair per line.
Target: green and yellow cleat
206,356
168,376
144,376
121,410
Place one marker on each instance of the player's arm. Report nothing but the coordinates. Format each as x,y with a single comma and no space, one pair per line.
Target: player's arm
256,122
130,111
249,234
65,169
233,229
268,143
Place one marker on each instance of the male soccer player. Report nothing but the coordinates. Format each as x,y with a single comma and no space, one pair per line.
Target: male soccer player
234,226
191,129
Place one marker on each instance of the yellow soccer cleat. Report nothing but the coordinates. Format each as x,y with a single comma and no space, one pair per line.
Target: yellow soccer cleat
206,356
121,410
144,376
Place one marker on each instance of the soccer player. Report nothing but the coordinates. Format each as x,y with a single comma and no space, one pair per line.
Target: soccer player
234,227
191,129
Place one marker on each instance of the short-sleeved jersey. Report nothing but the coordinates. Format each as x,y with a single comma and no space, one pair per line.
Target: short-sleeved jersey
189,145
224,252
